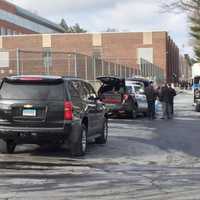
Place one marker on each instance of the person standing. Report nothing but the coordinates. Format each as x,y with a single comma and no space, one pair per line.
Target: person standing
151,98
171,97
165,95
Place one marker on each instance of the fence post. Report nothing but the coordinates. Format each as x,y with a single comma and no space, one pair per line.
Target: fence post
75,64
94,67
18,61
109,68
102,64
48,63
68,64
86,68
115,69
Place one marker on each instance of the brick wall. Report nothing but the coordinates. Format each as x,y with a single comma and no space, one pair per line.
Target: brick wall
119,48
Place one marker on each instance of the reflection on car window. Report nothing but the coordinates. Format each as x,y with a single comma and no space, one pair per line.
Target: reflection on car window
85,93
32,91
137,88
92,93
129,89
73,90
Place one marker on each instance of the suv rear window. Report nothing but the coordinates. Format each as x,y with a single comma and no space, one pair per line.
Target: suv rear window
22,91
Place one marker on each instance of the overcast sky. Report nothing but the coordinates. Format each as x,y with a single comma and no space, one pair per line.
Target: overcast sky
123,15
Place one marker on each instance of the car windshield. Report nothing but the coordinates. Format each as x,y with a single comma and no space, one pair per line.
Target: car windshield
129,89
137,88
23,91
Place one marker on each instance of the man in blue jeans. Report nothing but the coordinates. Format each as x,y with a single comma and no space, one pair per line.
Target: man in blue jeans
151,98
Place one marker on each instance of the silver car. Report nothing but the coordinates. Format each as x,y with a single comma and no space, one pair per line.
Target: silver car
137,89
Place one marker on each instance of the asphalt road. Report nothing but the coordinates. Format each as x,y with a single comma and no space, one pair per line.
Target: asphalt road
143,160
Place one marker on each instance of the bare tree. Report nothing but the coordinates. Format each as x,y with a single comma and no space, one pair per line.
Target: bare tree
181,5
192,8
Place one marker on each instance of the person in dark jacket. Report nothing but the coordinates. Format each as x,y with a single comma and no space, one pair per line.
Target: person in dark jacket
171,97
151,98
165,95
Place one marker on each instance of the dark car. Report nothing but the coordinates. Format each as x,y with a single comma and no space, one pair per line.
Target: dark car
49,109
114,94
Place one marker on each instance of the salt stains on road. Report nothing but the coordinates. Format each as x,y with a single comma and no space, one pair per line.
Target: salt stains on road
143,160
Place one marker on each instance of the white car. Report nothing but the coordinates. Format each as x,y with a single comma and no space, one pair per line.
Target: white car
137,89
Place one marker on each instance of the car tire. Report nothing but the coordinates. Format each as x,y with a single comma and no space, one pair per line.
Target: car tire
10,146
133,113
197,108
104,134
79,148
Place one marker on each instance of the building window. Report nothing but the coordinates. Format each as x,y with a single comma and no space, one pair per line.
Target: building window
4,59
3,31
145,54
9,32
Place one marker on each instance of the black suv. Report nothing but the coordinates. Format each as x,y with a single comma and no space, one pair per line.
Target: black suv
51,109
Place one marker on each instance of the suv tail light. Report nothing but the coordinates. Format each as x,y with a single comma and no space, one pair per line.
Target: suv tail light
68,110
125,97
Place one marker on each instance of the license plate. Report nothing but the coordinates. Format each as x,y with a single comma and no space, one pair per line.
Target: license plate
29,113
110,105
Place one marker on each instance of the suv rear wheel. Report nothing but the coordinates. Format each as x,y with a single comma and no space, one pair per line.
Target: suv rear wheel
104,134
197,107
10,146
80,147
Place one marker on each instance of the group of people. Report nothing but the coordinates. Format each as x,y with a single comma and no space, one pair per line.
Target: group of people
165,95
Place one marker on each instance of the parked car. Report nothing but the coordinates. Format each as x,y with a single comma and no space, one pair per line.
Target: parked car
114,95
145,82
137,90
51,109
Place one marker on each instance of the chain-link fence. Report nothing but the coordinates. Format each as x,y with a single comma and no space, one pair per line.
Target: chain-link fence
46,62
68,64
151,71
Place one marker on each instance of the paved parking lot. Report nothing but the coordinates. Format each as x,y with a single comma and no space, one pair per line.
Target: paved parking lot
142,160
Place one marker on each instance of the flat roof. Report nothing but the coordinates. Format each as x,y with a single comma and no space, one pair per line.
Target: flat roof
85,33
36,18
